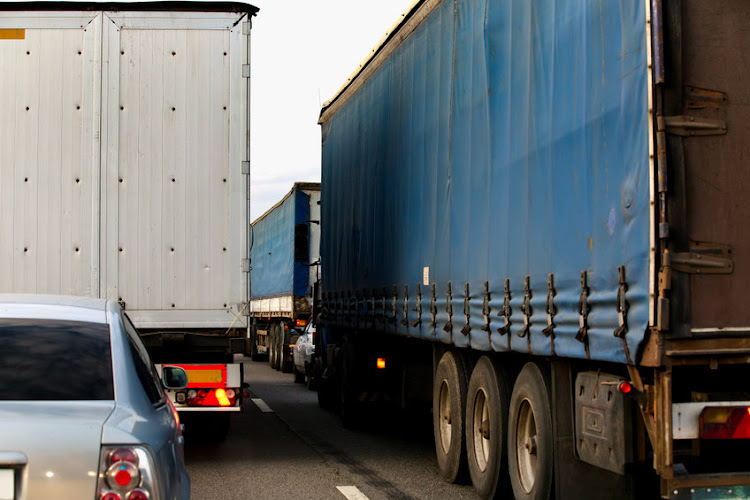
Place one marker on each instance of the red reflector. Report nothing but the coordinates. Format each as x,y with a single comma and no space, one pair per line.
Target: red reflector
301,322
122,477
381,363
110,495
625,387
137,495
123,455
725,422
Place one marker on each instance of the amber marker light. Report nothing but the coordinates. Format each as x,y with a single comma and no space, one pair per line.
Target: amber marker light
381,363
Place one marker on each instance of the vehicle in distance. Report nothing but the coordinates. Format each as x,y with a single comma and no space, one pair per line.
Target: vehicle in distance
303,350
83,412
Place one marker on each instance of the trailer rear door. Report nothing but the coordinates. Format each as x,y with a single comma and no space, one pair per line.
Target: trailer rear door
715,69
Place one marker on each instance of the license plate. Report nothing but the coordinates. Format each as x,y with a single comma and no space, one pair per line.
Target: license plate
7,484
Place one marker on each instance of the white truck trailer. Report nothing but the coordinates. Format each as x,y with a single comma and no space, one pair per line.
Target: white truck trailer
124,154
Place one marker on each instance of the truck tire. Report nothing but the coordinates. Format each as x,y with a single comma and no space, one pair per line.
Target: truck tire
254,354
299,377
286,362
350,406
530,439
276,343
448,406
271,345
487,428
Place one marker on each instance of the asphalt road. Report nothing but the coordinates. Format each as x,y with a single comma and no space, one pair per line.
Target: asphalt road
295,450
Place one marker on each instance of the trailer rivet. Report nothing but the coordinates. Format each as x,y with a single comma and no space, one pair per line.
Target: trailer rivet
79,52
77,250
172,108
174,53
172,305
78,181
171,249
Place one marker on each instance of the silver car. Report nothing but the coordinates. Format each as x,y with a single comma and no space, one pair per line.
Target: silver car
83,413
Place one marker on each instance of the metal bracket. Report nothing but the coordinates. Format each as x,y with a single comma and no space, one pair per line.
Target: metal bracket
245,265
704,258
246,27
449,309
467,310
703,101
245,168
245,71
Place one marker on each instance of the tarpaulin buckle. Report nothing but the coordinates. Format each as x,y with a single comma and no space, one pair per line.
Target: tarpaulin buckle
551,310
622,305
506,311
467,310
526,309
583,313
405,319
433,307
486,307
418,308
449,309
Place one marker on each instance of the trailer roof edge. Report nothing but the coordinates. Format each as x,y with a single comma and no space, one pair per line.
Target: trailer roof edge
398,32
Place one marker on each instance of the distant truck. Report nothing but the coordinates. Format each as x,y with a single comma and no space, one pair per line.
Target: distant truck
534,222
285,262
124,156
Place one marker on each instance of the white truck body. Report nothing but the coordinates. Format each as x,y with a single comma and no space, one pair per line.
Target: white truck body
122,142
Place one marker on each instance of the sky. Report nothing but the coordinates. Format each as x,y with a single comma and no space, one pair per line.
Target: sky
302,53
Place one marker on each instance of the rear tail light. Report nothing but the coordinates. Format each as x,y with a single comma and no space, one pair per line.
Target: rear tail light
380,363
301,322
212,397
125,473
725,422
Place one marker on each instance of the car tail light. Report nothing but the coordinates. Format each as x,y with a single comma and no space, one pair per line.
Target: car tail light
301,322
725,422
137,495
125,473
212,397
380,363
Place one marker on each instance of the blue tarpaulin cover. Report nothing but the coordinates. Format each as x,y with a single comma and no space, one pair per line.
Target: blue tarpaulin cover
500,140
274,270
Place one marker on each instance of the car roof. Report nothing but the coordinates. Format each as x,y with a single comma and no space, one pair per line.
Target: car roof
53,307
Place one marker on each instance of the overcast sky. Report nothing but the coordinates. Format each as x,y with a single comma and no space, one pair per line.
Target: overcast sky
302,52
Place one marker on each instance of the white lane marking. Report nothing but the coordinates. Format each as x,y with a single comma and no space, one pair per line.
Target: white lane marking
352,493
262,405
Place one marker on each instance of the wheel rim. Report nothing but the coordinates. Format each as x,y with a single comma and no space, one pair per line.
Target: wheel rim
481,430
445,421
526,448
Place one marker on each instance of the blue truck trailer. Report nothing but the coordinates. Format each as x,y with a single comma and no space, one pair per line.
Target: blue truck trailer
285,268
534,221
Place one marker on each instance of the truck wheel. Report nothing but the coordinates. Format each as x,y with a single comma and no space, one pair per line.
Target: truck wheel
530,446
487,427
448,404
286,339
271,339
299,377
310,377
254,354
350,406
276,342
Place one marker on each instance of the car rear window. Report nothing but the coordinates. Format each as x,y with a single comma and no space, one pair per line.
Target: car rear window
50,360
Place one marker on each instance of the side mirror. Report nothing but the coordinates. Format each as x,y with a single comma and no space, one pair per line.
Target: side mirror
174,377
